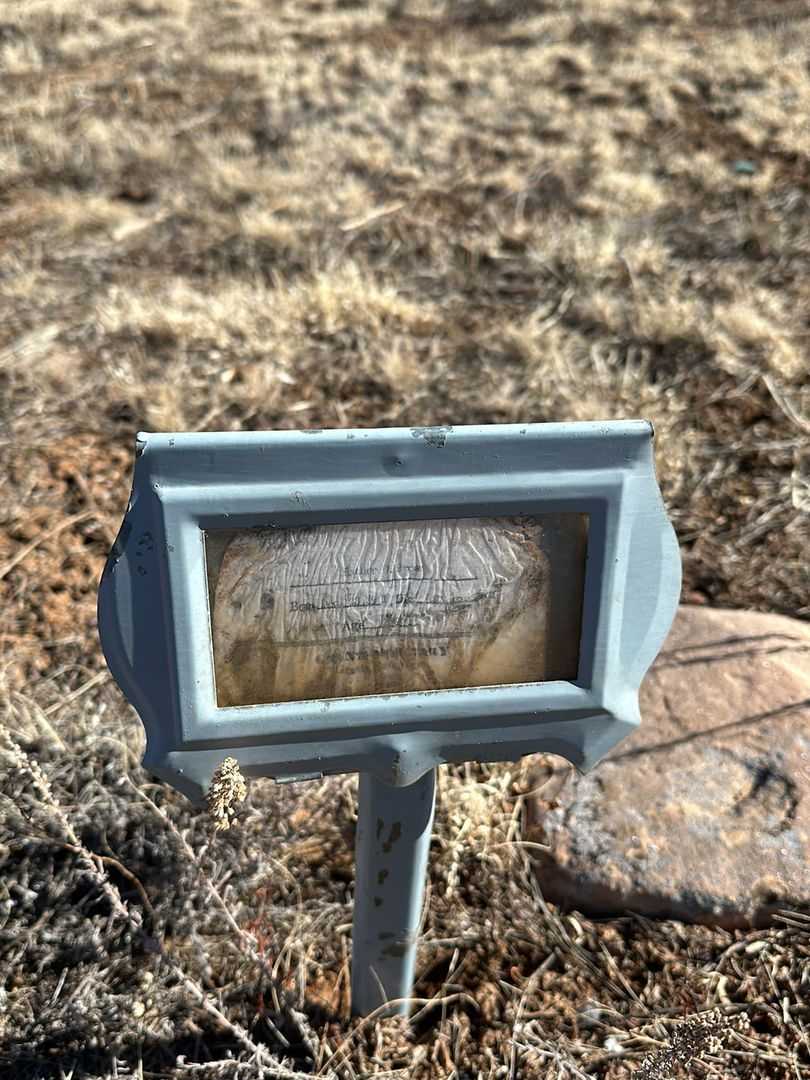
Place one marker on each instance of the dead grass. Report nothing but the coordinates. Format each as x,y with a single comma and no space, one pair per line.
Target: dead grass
250,215
140,942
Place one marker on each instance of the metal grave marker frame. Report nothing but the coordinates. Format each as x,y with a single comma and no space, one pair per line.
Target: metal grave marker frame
499,490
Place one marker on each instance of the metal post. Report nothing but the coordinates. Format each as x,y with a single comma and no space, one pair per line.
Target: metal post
393,838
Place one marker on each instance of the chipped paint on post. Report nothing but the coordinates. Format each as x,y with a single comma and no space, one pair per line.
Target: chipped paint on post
432,436
393,838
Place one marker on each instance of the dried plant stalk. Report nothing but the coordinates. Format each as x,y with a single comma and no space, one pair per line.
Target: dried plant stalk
227,788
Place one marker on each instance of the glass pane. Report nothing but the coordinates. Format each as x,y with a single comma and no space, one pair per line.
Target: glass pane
332,611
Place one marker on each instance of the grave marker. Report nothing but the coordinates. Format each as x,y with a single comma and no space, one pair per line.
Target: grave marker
383,602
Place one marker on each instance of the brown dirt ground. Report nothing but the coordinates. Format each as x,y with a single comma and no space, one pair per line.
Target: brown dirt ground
247,214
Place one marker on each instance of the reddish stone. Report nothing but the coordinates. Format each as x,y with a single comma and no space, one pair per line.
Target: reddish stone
703,814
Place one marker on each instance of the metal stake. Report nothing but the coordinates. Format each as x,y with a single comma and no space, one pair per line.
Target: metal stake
393,838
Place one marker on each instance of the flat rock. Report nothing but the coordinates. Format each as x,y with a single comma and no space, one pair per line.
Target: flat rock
703,814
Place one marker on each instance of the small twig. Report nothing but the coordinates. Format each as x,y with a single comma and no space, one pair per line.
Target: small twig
785,405
378,1012
97,678
527,990
562,307
530,844
31,346
448,999
109,859
196,121
24,552
375,215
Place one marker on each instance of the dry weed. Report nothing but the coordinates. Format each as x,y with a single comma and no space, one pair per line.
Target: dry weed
228,788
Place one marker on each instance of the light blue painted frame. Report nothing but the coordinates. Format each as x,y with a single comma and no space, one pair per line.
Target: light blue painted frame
153,607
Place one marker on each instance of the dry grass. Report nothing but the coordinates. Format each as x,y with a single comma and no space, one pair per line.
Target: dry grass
254,214
140,942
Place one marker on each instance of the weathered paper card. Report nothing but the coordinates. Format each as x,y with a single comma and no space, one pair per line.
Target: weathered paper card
376,608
